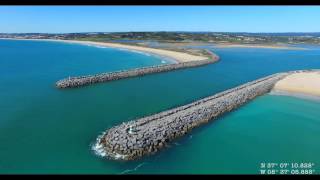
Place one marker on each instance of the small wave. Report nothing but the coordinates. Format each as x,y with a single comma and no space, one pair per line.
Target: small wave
131,170
139,52
126,171
102,47
97,46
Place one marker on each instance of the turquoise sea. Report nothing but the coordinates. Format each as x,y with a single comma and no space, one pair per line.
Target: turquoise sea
48,130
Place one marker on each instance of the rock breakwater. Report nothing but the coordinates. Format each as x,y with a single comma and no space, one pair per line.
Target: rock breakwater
72,82
134,139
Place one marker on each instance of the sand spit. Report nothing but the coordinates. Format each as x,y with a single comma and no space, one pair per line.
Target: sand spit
175,55
183,60
304,82
179,56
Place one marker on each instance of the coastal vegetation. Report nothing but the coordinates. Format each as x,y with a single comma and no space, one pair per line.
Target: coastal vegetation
209,37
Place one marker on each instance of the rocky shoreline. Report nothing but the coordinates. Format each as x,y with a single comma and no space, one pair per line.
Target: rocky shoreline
73,82
134,139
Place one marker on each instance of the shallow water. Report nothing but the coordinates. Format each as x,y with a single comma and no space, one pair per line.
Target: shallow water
47,130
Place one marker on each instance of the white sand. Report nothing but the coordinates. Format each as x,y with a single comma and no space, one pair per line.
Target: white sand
178,56
304,82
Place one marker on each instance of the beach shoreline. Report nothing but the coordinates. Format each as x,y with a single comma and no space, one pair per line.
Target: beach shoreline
303,83
169,55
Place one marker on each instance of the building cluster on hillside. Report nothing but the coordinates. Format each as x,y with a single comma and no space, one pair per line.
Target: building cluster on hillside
33,36
177,37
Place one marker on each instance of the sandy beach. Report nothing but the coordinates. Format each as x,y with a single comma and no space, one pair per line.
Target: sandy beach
258,46
177,56
305,83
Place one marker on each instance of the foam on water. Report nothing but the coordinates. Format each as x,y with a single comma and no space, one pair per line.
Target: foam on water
98,148
134,51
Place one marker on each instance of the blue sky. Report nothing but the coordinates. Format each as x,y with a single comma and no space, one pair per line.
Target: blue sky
64,19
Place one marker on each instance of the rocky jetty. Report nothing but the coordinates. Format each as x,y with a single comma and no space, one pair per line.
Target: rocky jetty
72,82
134,139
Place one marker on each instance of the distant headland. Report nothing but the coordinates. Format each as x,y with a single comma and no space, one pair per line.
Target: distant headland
263,40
